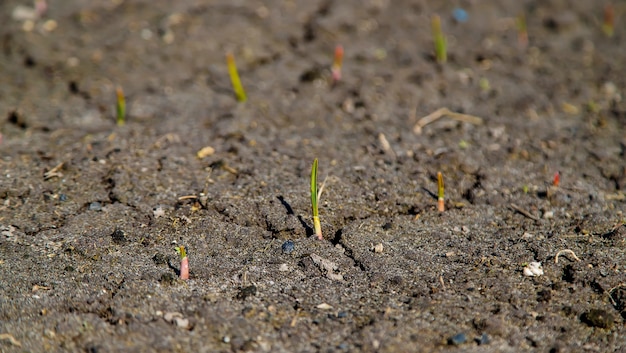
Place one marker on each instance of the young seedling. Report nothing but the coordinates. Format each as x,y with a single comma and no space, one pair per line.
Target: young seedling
556,179
41,6
337,62
441,206
608,25
120,106
184,262
439,39
234,78
522,31
314,198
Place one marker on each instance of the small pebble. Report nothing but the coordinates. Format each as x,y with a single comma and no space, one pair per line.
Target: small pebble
182,322
378,248
288,247
548,215
62,197
533,269
119,237
158,212
324,306
95,206
23,13
177,319
457,339
460,15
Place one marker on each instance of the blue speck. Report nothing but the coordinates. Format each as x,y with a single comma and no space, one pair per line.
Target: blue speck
95,206
288,247
457,339
62,197
460,15
483,339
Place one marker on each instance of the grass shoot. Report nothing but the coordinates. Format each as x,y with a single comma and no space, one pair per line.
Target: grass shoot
440,193
440,40
314,199
240,93
337,63
556,179
184,262
120,106
608,25
522,31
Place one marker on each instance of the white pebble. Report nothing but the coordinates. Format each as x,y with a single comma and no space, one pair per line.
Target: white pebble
533,269
324,306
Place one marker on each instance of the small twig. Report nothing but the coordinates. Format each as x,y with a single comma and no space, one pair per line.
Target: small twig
441,112
524,212
565,251
442,283
54,172
187,197
385,145
441,206
610,291
8,336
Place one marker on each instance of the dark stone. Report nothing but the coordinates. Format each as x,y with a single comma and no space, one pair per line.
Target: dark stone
167,278
288,247
544,295
457,339
159,259
598,318
246,292
119,237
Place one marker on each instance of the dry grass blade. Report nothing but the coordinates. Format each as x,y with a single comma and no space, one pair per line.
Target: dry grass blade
565,251
10,338
441,112
524,212
54,172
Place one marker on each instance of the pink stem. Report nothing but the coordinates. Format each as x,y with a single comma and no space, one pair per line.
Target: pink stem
184,268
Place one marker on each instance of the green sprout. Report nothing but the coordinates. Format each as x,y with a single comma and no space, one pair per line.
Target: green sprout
522,30
120,107
240,93
608,25
314,199
180,250
440,193
439,39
